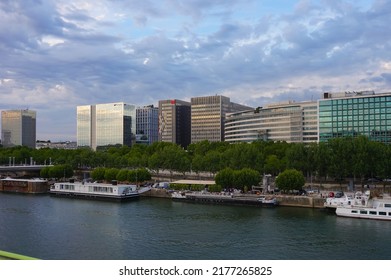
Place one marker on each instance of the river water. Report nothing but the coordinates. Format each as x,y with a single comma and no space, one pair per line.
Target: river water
55,228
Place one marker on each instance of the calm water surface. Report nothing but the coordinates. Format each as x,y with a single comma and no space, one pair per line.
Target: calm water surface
59,228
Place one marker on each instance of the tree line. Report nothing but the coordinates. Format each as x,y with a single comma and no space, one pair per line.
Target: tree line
338,159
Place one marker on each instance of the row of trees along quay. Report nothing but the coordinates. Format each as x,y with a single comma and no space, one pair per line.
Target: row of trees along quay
336,160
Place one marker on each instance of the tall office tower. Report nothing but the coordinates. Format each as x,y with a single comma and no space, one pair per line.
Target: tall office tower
147,124
18,128
286,121
105,125
174,122
208,117
355,113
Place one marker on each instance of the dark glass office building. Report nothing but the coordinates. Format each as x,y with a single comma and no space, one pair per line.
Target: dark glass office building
174,122
355,113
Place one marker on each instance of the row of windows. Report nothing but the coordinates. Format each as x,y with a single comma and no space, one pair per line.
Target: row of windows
378,123
360,100
371,212
368,112
356,118
67,187
374,137
354,106
100,189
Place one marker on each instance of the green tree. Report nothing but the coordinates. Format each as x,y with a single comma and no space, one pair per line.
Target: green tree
341,162
111,174
246,178
290,179
132,176
122,175
155,162
225,178
143,175
299,157
273,165
44,173
198,164
212,161
60,171
322,158
98,174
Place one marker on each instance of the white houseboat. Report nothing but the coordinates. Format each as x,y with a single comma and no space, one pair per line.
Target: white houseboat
112,191
365,207
338,199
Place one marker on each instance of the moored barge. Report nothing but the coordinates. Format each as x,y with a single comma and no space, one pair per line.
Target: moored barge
98,191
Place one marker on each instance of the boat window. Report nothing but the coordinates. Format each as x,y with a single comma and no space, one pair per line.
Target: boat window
363,212
373,212
354,211
102,189
382,213
69,187
387,205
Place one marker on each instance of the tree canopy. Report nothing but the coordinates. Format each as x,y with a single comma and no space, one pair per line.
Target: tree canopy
338,158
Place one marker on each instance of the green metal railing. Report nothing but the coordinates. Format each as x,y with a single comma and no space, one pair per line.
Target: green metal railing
12,256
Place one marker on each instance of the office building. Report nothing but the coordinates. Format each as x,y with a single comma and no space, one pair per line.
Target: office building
208,117
355,113
18,128
174,122
147,124
287,121
106,125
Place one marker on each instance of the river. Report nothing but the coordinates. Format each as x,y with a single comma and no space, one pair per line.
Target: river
54,228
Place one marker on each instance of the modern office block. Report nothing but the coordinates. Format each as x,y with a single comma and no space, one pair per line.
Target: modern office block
147,124
208,117
18,128
106,125
287,121
355,113
174,122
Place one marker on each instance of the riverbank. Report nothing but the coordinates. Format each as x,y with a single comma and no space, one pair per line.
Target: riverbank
248,199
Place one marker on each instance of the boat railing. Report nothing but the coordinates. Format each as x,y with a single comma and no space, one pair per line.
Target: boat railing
4,255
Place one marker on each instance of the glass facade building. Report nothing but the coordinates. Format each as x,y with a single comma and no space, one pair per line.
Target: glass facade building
84,125
147,124
18,128
106,124
288,121
355,113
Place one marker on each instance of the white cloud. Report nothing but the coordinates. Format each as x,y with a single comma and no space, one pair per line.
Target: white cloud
85,52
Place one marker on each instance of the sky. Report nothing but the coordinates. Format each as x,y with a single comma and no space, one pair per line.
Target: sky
56,55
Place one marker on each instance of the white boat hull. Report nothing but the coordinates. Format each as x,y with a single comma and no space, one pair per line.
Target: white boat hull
364,213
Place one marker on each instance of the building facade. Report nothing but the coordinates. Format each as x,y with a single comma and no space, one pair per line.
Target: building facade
105,125
208,117
174,122
147,124
355,113
18,128
289,121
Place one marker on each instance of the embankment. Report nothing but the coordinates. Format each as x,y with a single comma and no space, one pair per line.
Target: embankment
283,200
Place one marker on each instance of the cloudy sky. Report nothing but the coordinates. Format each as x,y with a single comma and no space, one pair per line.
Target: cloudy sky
58,54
